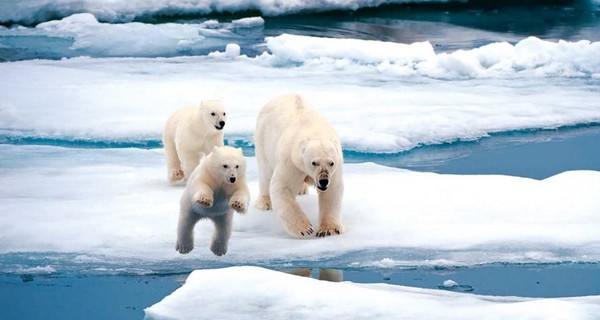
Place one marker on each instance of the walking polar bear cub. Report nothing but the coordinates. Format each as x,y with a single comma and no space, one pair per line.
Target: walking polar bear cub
189,134
216,188
296,145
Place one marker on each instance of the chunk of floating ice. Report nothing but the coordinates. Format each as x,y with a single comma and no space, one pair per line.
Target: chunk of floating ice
454,286
450,283
232,50
257,293
252,22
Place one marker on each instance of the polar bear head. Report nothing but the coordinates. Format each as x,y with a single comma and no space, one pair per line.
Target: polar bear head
226,164
322,159
212,112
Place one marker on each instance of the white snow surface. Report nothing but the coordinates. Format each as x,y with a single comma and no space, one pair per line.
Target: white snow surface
531,57
256,293
31,11
116,204
380,97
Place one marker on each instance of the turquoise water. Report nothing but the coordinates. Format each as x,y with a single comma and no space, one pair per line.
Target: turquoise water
125,297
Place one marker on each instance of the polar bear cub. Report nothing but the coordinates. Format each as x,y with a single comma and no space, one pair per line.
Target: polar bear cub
296,145
189,134
216,188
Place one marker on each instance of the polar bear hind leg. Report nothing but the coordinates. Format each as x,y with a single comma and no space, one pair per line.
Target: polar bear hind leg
265,173
174,171
185,230
222,233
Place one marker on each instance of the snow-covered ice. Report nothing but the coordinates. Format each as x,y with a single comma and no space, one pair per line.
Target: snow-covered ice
256,293
531,57
372,109
117,204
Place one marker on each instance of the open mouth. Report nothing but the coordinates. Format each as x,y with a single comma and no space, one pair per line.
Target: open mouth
322,183
218,127
322,189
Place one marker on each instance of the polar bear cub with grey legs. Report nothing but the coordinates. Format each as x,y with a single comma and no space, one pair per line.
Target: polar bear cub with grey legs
216,188
296,145
189,134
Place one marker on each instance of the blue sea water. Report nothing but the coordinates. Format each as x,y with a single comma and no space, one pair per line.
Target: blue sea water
75,292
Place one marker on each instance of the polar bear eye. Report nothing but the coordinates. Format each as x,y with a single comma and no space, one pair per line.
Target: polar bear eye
213,114
331,163
314,163
237,166
224,114
225,166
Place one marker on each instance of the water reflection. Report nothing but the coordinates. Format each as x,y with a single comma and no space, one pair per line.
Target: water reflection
332,275
454,25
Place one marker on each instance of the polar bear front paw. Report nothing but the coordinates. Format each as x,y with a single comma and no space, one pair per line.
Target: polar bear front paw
263,203
329,230
176,175
203,199
299,227
238,205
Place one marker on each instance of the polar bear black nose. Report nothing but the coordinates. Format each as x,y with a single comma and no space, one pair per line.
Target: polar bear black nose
323,183
232,179
221,123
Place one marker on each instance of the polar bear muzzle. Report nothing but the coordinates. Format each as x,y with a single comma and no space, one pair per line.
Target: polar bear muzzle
220,125
322,181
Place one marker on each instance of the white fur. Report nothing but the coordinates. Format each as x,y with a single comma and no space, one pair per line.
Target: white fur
295,145
211,194
189,134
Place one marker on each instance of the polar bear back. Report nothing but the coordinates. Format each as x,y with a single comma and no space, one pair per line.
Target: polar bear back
287,120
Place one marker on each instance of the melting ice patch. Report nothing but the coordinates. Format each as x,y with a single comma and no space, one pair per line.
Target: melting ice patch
256,293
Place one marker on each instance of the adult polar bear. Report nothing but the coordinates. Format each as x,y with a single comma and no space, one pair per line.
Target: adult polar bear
189,134
295,145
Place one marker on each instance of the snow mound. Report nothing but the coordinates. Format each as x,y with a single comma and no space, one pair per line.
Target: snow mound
256,293
529,57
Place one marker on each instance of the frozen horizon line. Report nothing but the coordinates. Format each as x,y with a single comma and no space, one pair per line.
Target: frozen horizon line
19,137
122,11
